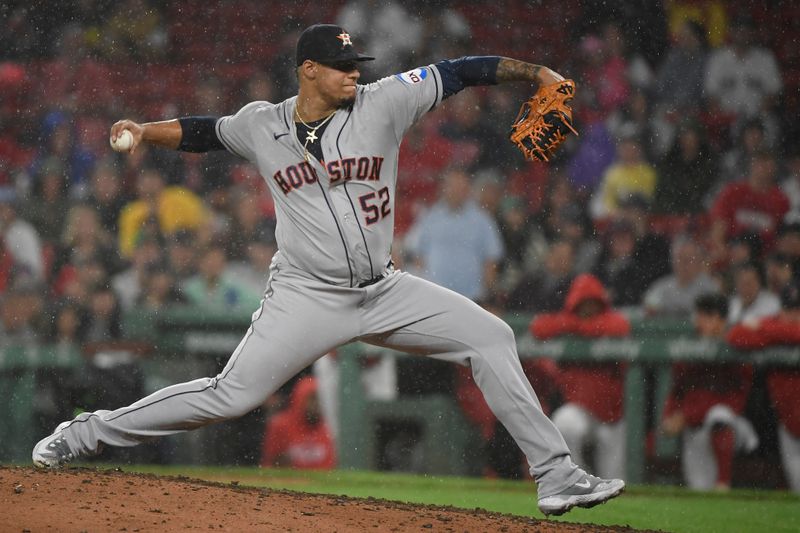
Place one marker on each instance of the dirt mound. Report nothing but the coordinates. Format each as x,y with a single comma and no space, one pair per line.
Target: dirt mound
79,499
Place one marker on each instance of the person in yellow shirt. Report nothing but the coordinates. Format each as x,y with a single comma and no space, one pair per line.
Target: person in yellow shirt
159,211
630,175
712,14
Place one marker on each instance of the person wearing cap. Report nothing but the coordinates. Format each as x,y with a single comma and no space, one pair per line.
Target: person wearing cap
783,383
706,403
329,157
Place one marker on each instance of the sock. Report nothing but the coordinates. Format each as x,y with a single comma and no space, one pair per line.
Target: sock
722,442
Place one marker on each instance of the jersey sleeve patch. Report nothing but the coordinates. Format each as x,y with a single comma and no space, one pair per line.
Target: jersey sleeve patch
413,76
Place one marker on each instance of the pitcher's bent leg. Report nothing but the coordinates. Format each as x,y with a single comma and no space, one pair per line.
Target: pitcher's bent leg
450,327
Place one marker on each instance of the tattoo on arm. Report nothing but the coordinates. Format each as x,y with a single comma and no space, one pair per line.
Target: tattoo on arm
513,70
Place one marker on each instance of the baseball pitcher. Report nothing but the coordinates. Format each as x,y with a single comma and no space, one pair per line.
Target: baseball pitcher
329,157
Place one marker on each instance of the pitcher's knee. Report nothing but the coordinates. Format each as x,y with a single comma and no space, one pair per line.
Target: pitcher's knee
495,334
235,403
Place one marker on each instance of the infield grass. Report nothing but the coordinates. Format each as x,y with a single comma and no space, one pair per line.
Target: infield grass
643,507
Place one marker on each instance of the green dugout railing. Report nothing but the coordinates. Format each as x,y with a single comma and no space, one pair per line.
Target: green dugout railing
193,334
18,368
356,446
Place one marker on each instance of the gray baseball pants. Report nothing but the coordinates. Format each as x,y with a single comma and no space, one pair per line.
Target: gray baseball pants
301,318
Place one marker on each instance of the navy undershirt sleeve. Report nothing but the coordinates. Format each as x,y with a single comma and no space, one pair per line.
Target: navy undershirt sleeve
199,135
466,72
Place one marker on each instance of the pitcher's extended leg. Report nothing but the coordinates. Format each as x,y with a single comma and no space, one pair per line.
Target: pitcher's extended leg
298,321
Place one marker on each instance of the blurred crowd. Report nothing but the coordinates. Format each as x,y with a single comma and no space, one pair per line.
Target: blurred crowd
684,181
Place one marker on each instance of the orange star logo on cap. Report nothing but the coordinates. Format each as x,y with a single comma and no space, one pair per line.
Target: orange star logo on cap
345,37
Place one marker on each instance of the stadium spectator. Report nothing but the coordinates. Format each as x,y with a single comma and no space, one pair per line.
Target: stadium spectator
47,207
524,241
159,211
213,287
788,244
605,81
247,225
160,289
298,436
60,142
466,131
705,406
687,173
103,317
754,204
576,228
128,284
790,185
779,273
678,89
634,120
387,29
134,29
592,410
594,154
742,78
709,14
445,30
726,256
68,325
630,175
545,289
88,274
21,309
783,383
746,145
676,293
181,255
106,195
83,238
633,256
20,239
253,270
751,301
456,244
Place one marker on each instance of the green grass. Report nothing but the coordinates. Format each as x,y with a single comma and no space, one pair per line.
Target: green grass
645,507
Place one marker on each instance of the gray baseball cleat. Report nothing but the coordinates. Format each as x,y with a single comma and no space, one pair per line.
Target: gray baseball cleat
587,492
53,450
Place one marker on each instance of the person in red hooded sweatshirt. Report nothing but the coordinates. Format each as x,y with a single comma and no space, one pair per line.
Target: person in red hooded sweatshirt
783,383
298,437
592,392
705,406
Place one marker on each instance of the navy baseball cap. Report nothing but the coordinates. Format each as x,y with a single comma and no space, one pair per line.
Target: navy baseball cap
327,44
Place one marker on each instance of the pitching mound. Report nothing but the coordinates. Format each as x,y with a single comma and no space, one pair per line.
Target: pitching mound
79,499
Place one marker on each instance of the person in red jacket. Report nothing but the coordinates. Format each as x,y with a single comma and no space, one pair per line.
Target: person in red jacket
592,392
706,403
298,437
755,204
783,383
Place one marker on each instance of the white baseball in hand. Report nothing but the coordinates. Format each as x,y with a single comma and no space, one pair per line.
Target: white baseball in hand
124,141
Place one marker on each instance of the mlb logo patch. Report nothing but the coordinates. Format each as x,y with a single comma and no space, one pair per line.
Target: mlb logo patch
413,76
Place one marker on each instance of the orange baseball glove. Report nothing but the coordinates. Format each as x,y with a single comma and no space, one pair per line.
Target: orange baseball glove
544,121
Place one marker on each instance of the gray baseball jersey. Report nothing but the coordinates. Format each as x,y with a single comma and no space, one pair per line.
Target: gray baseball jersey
335,217
335,220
